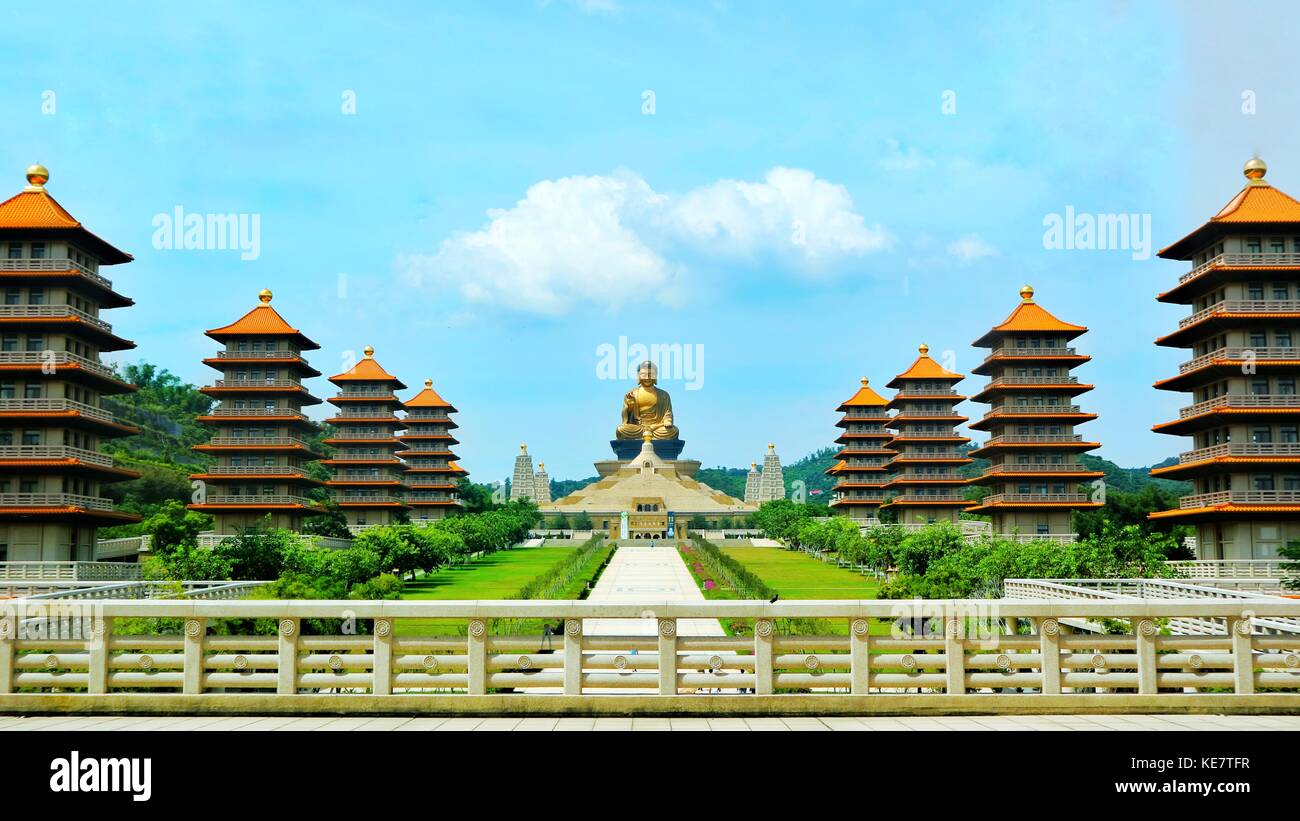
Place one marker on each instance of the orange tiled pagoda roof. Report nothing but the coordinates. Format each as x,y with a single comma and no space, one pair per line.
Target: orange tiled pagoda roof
428,398
864,398
368,370
1029,317
924,368
262,321
33,209
1259,203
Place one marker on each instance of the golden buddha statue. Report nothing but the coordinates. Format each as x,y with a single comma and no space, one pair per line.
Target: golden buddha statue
647,409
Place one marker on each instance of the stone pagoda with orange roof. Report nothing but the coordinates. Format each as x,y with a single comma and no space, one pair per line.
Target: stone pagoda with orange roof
260,432
368,477
923,477
52,473
860,472
431,471
1243,336
1035,479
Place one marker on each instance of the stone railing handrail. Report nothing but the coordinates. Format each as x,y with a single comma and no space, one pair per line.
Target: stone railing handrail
45,405
1229,568
255,441
954,648
1025,538
1014,468
260,411
56,359
1241,400
1029,353
1031,439
1013,498
1270,259
254,470
1256,497
54,311
1031,380
37,452
910,391
351,435
256,499
1031,410
123,547
256,383
54,499
905,412
70,571
54,264
1239,354
1241,449
1243,306
285,354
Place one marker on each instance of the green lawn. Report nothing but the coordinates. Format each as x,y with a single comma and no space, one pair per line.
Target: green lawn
498,575
797,575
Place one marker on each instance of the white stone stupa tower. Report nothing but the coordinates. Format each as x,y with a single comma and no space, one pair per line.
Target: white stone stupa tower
773,481
753,484
521,484
541,485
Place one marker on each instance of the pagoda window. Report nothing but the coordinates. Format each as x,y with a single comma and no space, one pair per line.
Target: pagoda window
268,490
32,390
1258,387
1295,244
1281,290
1289,434
1262,481
28,486
9,343
1255,290
1290,481
257,344
1277,245
38,250
15,250
1261,435
1258,339
6,437
236,461
1282,338
31,437
35,342
36,296
1286,387
13,296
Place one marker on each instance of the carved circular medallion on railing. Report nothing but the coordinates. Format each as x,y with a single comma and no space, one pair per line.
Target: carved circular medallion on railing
620,662
573,627
860,627
6,629
908,662
98,626
288,627
477,628
336,662
1292,660
525,663
1195,662
146,662
812,662
431,662
1242,627
383,627
52,662
1147,628
954,628
668,627
1050,627
715,663
1004,662
193,627
240,663
763,627
1099,661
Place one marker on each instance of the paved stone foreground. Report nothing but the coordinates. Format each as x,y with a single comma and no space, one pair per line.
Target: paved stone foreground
647,574
1142,723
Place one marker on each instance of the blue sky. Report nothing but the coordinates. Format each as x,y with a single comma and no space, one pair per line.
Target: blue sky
818,190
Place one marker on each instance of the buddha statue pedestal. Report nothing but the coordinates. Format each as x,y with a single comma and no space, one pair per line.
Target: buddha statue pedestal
666,449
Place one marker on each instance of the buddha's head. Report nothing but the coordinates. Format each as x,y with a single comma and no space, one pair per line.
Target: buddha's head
646,374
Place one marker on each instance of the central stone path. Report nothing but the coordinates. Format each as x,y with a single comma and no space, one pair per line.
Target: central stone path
647,574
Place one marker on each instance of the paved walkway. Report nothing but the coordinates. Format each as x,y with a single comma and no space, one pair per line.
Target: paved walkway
647,573
977,723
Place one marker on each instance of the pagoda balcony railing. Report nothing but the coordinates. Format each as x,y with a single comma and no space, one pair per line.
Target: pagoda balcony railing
344,435
54,452
365,393
54,264
1033,439
256,499
928,477
53,405
1014,468
1244,306
944,433
927,413
262,411
257,441
430,497
358,413
930,497
866,416
367,499
1241,449
1003,381
1241,400
254,470
1029,353
1241,260
1258,354
1030,410
56,359
909,391
285,354
419,451
22,311
366,479
415,417
344,455
925,457
257,383
1241,497
1055,498
54,500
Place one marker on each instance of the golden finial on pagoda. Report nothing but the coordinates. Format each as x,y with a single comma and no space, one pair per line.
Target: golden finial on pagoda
523,447
753,465
1027,293
1255,169
864,381
264,296
541,466
369,351
647,437
924,349
37,176
428,383
771,447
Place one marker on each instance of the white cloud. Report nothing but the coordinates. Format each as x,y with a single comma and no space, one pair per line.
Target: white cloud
898,159
605,240
971,247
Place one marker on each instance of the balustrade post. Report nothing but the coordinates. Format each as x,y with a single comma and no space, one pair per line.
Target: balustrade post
954,655
382,664
101,633
860,656
763,633
1049,647
8,634
1243,659
195,637
1144,632
573,657
287,667
476,661
668,657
